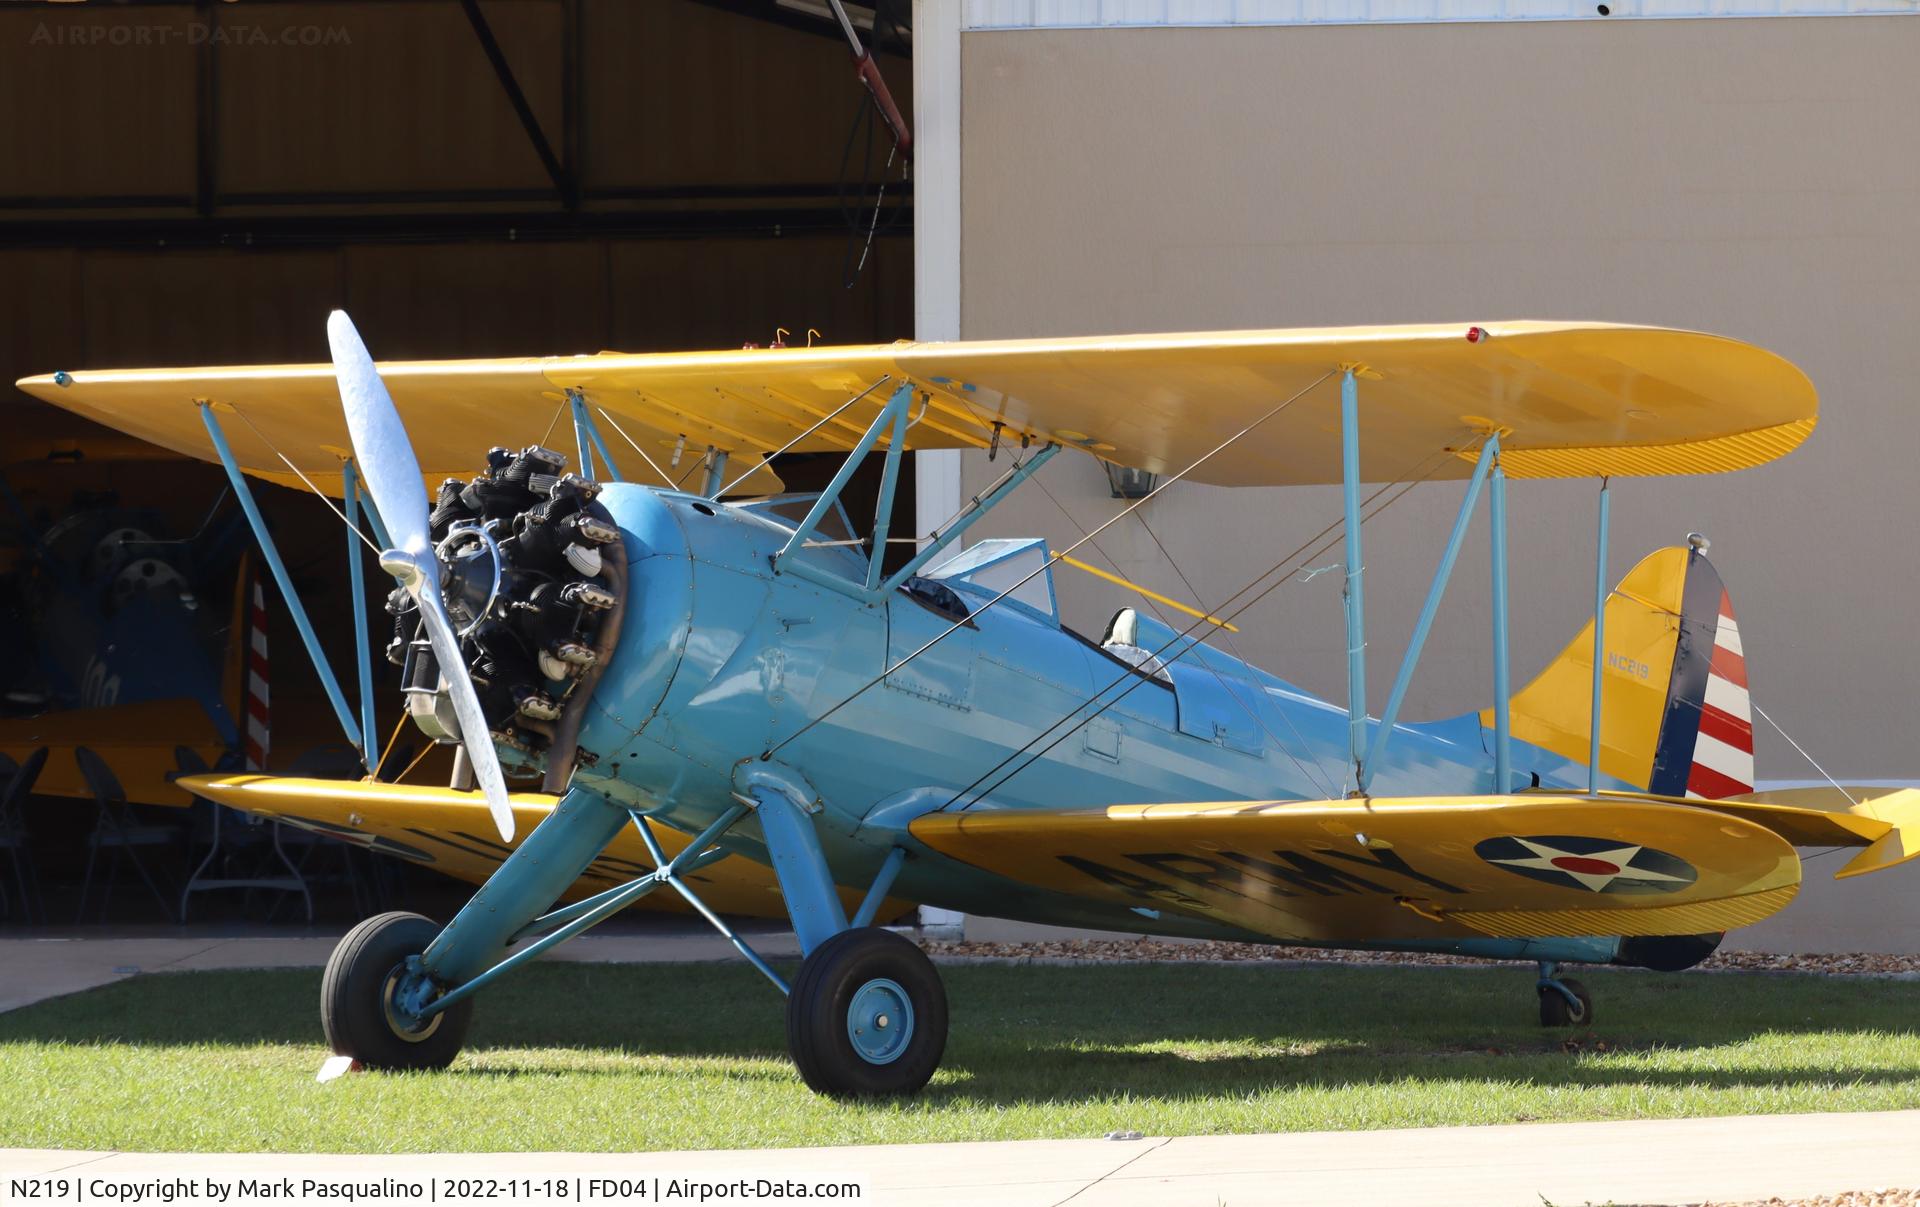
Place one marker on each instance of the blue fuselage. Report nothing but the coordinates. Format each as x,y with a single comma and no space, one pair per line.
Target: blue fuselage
720,661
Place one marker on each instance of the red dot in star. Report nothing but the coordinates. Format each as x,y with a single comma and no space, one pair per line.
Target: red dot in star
1581,863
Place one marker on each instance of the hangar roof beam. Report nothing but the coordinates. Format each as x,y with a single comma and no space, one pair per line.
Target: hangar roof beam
563,180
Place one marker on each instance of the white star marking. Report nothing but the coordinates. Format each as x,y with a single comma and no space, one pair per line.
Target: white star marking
1543,857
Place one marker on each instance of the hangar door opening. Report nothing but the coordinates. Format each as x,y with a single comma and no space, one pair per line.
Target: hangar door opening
191,183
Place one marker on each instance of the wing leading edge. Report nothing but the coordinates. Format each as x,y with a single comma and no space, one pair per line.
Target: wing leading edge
1572,400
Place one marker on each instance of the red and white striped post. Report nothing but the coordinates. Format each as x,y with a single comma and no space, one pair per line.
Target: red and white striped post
259,715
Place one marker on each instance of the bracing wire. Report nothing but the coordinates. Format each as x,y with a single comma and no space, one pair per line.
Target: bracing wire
651,463
408,769
1050,562
1400,486
553,422
395,737
1137,680
320,494
704,459
766,459
1234,651
373,771
1012,469
1250,710
1803,750
1194,594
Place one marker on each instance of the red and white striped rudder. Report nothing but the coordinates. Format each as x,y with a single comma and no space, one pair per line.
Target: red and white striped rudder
1723,749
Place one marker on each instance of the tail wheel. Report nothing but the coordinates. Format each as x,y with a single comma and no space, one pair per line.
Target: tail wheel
867,1016
358,1008
1556,1010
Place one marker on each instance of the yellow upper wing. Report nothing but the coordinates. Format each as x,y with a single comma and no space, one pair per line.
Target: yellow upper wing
1576,399
1347,871
454,411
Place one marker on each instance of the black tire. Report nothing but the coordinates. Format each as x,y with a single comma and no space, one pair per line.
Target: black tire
1557,1011
353,998
855,970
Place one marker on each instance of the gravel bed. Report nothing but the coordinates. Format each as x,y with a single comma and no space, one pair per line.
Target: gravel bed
1159,950
1851,1198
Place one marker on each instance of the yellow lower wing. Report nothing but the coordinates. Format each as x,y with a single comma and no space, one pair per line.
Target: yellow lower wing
451,832
138,741
1408,868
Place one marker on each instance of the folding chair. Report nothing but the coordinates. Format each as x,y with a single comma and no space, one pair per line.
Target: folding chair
13,834
228,836
117,830
334,761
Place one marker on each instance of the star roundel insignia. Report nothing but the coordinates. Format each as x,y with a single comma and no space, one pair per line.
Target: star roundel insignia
1597,865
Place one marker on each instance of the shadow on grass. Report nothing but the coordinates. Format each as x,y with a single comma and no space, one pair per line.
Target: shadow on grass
1045,1034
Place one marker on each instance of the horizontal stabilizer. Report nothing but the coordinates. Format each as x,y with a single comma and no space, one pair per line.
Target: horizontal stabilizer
1886,821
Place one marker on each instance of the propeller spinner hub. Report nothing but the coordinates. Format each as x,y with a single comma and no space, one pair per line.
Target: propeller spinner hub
405,567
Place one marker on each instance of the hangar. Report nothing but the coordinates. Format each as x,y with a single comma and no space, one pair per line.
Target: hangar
200,183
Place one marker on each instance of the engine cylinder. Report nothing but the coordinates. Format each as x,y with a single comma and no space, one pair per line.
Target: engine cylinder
521,573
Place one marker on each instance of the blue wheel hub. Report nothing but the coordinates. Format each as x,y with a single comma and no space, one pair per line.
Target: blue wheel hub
880,1021
406,993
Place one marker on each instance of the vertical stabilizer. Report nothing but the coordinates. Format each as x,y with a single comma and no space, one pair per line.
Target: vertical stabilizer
1675,718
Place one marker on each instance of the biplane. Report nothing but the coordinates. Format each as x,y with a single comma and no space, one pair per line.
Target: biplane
741,668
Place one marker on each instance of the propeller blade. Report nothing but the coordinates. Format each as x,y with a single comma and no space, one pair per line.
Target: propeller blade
466,706
392,474
380,445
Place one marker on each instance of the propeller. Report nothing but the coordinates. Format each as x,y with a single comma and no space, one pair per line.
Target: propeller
392,474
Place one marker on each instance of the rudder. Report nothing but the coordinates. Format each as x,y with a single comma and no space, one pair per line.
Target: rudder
1675,715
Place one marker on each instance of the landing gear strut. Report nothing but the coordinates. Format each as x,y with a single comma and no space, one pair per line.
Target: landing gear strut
1564,1002
866,1017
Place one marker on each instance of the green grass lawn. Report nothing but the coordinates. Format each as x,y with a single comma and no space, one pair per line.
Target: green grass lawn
586,1057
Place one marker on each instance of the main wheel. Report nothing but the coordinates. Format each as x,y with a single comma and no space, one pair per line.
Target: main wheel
1557,1011
357,998
867,1016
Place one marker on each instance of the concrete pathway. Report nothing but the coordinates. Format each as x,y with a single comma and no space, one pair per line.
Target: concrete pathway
1566,1164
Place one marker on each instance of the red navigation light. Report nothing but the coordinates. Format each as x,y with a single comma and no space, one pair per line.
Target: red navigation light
1476,335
